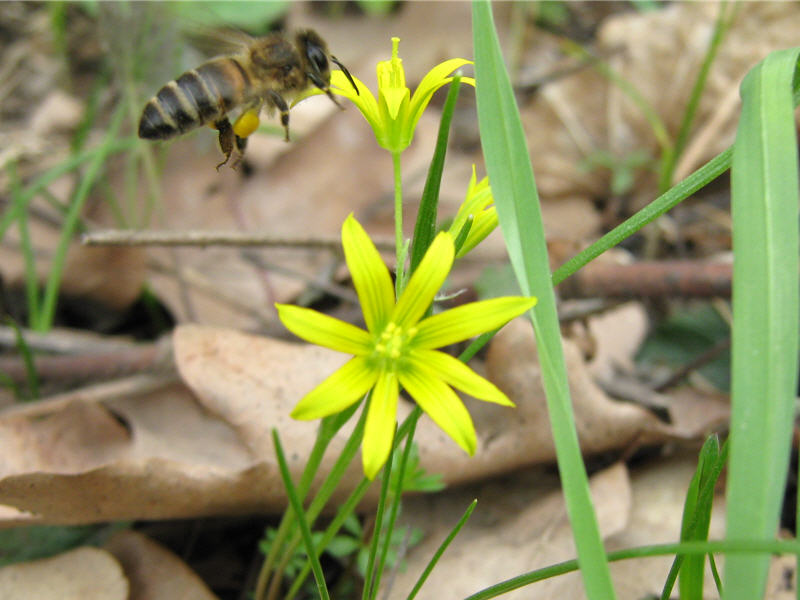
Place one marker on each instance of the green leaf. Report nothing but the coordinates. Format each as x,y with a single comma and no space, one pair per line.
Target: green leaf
764,204
516,199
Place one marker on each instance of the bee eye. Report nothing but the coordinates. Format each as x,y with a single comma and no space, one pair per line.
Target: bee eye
317,58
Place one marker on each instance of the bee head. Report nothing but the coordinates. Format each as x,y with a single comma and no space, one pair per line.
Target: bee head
315,54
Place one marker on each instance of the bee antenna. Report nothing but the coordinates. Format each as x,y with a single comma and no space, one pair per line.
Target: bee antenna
346,74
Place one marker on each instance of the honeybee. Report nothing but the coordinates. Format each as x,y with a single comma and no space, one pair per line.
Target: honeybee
269,71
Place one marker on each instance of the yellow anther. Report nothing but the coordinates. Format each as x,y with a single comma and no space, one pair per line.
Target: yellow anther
246,124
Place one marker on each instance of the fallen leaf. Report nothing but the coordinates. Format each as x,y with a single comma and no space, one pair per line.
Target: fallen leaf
519,524
208,450
154,572
86,573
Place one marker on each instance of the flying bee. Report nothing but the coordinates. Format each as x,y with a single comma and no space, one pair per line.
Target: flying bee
269,71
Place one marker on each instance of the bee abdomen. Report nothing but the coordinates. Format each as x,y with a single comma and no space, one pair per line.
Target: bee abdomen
199,96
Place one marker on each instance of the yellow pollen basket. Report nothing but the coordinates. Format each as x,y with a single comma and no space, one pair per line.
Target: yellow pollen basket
246,124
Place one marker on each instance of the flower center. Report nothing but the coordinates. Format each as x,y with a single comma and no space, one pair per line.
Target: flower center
392,344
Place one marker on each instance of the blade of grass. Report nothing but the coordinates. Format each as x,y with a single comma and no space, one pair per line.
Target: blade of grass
394,509
696,518
425,227
26,246
13,212
725,18
297,506
731,547
440,550
31,376
666,201
697,515
669,199
352,501
325,434
44,318
516,199
764,204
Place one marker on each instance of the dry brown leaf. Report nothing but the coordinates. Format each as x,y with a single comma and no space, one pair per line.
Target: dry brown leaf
696,414
153,572
210,451
617,336
660,52
519,524
81,574
602,423
79,463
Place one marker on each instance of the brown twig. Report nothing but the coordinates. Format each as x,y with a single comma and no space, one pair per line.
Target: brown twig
123,237
695,279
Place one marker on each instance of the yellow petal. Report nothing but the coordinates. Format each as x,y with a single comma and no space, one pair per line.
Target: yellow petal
443,406
323,330
460,376
371,278
471,319
344,387
380,425
433,80
364,100
425,282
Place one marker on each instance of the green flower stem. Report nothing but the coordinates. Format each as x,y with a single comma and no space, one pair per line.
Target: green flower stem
396,494
398,223
350,504
372,578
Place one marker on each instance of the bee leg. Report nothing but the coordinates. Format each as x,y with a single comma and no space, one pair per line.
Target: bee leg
226,139
278,102
241,144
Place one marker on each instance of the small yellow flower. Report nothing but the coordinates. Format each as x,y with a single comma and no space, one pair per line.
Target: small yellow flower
398,347
478,204
395,113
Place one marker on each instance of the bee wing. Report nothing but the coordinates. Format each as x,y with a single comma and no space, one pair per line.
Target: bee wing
216,41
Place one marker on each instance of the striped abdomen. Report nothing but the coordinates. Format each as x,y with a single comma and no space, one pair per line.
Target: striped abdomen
202,95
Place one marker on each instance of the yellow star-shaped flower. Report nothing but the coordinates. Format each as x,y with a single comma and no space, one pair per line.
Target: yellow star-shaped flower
398,347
